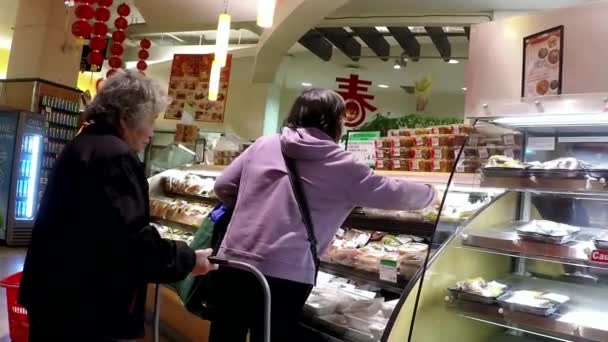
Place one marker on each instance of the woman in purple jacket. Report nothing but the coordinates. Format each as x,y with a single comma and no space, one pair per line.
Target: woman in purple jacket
267,230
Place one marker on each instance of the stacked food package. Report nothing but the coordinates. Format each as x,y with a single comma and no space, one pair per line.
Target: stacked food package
179,211
189,183
480,148
348,309
431,149
366,250
174,234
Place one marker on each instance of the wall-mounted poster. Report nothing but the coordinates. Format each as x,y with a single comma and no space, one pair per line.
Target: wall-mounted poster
543,61
189,83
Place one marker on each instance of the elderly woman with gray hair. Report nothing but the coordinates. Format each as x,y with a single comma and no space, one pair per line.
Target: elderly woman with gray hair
93,251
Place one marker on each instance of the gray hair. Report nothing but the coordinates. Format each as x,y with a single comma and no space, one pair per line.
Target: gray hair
129,95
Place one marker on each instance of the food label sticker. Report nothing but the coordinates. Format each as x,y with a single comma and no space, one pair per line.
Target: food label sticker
396,164
600,256
415,164
483,153
509,153
396,142
379,164
437,153
435,141
396,152
388,270
340,232
509,139
436,165
460,168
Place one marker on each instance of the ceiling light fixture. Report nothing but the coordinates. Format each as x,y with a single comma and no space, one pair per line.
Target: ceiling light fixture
266,10
453,61
222,39
382,86
214,81
397,65
306,84
464,88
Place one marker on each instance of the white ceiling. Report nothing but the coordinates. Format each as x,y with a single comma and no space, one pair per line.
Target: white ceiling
395,7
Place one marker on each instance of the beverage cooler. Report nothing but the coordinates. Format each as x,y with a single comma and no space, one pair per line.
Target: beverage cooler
21,149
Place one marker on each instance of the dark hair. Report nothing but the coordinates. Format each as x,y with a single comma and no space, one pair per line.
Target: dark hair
318,108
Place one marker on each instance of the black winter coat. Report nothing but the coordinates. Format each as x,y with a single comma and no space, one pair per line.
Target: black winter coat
93,251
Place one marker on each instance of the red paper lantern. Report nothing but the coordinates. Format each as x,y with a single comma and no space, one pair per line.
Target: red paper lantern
95,58
81,29
143,54
124,10
105,3
102,14
97,43
115,62
142,65
145,44
119,36
100,29
85,12
116,49
121,23
110,73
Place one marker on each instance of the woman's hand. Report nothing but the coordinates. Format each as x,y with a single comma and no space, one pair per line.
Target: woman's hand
203,266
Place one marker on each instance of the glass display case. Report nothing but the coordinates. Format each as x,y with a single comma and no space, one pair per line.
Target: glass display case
532,265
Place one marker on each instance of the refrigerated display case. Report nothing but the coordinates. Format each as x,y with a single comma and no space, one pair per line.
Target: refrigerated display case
21,146
532,265
181,197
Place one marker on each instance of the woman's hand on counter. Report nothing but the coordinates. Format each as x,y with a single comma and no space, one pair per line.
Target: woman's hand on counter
203,266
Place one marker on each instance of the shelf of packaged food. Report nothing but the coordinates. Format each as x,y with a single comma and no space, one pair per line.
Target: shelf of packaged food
548,185
65,111
61,125
194,198
390,225
504,240
174,224
583,318
372,278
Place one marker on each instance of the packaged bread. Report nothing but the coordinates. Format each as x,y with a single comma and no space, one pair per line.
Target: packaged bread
383,143
382,164
400,165
383,153
447,129
421,165
463,129
443,152
440,140
422,153
442,165
404,141
402,153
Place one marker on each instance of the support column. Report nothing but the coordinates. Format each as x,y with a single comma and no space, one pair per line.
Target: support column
43,45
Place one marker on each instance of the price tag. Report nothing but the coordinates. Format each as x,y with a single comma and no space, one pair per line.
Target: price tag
396,164
483,153
419,141
437,153
509,139
388,270
435,141
415,164
599,256
379,164
396,152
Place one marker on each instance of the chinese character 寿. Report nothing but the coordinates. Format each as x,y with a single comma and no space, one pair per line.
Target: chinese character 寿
354,92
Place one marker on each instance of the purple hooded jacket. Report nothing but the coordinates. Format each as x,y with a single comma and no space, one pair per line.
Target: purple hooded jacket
266,229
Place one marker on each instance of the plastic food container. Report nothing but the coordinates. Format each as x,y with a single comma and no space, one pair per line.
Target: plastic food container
400,165
383,164
421,165
443,152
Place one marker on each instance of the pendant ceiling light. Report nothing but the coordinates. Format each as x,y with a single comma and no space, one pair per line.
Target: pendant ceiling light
266,13
222,37
214,81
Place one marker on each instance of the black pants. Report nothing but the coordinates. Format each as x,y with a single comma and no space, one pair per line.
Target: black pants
238,299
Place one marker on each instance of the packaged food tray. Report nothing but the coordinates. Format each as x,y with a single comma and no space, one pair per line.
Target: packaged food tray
549,310
472,297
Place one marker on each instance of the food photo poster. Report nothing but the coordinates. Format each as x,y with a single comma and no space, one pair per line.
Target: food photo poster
543,63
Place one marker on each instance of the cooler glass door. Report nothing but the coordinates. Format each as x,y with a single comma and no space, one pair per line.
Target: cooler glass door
26,191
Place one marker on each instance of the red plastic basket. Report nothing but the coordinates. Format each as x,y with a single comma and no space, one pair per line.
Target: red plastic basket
17,315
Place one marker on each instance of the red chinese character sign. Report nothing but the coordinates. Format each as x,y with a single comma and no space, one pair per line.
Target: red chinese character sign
355,94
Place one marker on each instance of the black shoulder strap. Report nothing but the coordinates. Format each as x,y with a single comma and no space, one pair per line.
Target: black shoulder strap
296,185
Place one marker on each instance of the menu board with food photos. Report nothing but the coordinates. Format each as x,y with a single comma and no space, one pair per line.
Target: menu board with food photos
542,70
189,83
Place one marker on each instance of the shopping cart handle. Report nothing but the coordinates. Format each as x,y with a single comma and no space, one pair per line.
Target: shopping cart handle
218,261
